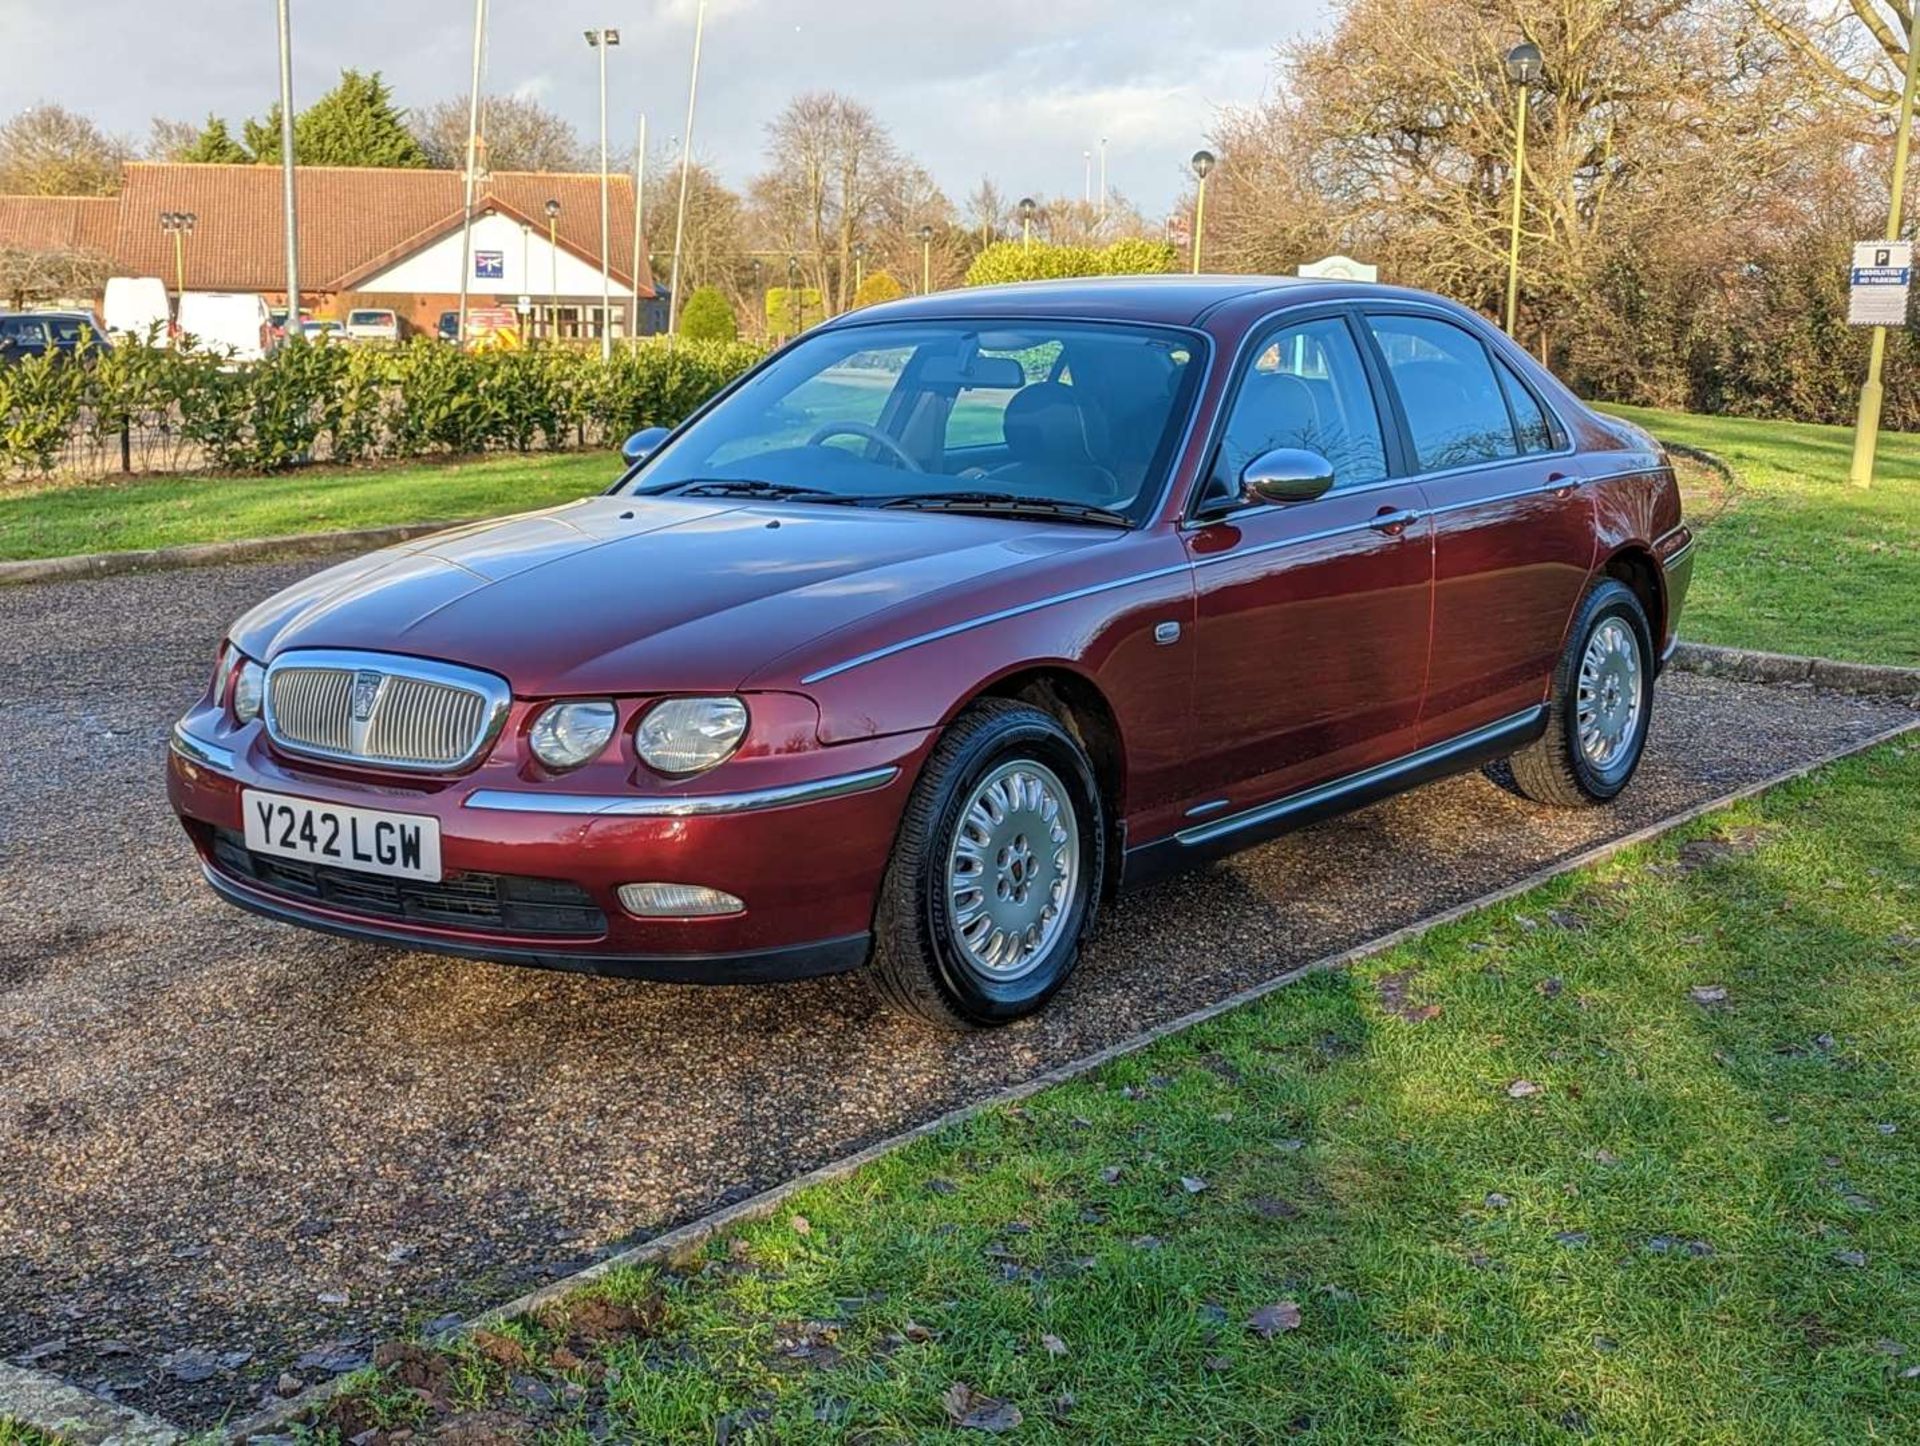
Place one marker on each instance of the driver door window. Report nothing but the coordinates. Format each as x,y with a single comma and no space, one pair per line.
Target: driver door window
1307,389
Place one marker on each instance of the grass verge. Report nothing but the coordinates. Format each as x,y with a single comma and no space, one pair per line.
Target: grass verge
16,1433
1632,1157
1797,560
59,519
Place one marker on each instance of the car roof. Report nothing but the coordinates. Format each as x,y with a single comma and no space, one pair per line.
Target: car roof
1166,300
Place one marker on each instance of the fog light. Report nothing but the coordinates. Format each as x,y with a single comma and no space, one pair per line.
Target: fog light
676,901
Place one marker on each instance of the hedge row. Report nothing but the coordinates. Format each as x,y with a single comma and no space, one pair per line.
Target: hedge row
350,403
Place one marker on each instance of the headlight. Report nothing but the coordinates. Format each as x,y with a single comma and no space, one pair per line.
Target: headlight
249,684
566,735
690,735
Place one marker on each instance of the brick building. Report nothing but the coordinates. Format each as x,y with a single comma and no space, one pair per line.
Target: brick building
387,238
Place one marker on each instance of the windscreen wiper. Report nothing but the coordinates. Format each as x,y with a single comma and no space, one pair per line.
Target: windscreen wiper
1008,504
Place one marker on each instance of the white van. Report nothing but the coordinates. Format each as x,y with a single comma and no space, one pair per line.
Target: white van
236,322
137,308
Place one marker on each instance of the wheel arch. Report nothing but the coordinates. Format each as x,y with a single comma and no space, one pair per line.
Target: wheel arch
1635,566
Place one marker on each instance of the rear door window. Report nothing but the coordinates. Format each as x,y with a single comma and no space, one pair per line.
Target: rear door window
1530,422
1455,408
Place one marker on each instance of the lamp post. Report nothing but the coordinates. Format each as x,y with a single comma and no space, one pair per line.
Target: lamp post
1202,167
472,170
286,166
926,259
639,222
1026,209
1523,69
1086,184
553,268
1866,429
859,266
603,41
1103,178
759,291
793,294
179,223
686,172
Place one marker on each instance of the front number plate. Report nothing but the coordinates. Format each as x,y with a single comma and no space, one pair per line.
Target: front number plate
404,845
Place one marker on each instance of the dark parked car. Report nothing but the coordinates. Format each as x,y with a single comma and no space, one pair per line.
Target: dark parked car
36,333
943,623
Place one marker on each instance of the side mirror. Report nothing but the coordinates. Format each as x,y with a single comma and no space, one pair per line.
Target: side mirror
1287,474
642,444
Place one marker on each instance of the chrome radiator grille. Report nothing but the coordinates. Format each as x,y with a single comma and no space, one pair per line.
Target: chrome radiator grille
394,712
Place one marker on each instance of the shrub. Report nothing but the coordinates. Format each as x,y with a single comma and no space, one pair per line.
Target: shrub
708,317
786,307
879,287
1007,261
351,403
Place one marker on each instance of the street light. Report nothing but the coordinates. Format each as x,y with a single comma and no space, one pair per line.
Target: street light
1202,167
759,291
180,223
1103,178
859,266
1086,185
553,268
603,41
1523,69
793,294
926,259
1026,208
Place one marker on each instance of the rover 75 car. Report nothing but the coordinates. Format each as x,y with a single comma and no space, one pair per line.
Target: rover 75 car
949,619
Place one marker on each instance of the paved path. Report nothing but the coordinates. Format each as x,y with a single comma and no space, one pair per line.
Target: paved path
222,1136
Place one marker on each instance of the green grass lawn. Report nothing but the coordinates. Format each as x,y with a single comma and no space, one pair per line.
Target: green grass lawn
58,519
1635,1157
12,1433
1799,561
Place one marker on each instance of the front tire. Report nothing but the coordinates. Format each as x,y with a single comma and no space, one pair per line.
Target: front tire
996,873
1600,706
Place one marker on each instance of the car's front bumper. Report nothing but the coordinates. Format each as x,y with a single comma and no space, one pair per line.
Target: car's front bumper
802,840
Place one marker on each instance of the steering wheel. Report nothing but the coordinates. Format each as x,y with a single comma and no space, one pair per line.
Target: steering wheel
872,434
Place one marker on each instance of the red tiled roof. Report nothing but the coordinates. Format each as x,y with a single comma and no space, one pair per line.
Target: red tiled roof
349,220
62,223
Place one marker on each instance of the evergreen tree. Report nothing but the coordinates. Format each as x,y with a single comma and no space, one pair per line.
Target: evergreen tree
215,145
707,317
354,124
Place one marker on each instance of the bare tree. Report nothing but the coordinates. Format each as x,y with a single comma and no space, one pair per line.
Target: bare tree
1856,46
520,135
28,276
714,247
836,180
170,140
48,150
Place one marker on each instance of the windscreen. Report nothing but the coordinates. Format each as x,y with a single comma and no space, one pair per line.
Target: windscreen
1070,412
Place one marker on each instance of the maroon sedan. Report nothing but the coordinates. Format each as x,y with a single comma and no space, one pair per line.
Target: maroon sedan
940,625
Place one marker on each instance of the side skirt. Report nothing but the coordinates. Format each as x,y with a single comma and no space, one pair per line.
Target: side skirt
1219,837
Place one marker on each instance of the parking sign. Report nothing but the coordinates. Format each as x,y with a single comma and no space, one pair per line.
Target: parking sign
1877,289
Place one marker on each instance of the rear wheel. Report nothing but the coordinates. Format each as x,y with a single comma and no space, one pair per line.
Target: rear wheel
1601,704
995,873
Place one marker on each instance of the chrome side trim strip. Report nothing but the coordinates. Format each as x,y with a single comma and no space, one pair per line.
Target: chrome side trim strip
1381,777
198,750
521,800
1019,610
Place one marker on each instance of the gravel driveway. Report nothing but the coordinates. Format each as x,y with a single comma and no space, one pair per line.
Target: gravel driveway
226,1145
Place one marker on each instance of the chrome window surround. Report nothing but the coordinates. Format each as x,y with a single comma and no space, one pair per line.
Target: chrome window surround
496,698
689,805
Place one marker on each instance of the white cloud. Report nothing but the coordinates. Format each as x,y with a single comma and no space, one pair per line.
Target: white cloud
1015,89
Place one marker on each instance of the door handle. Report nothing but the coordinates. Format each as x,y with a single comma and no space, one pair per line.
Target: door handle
1393,520
1562,484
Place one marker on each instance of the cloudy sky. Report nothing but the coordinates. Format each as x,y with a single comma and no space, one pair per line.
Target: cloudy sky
1018,89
